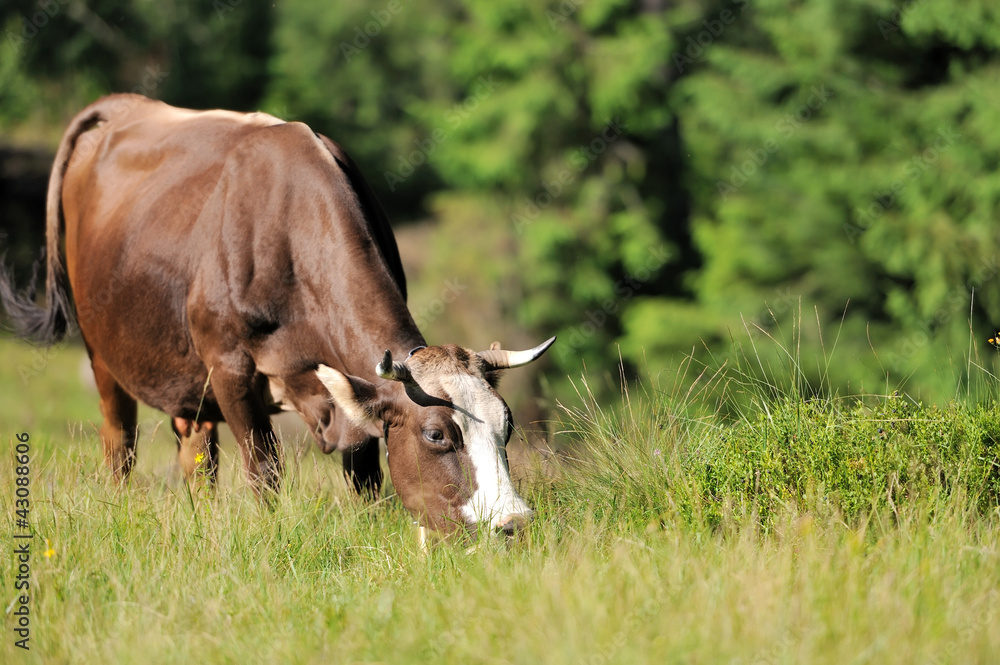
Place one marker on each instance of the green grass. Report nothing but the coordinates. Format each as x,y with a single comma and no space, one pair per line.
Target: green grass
815,530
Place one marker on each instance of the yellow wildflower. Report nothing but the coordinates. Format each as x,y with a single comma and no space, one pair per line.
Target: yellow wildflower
49,552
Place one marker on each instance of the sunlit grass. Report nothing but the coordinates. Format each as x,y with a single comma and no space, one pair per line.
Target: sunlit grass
655,541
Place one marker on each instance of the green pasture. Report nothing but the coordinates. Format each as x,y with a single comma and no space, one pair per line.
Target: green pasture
641,179
804,530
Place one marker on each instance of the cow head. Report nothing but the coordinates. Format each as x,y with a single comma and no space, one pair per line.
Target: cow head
446,431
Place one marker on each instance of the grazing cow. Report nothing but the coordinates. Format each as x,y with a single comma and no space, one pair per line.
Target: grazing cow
225,266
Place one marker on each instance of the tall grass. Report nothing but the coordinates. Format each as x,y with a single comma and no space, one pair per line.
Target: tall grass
808,529
845,457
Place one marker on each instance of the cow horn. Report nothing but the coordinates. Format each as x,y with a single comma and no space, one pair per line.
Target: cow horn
393,371
497,358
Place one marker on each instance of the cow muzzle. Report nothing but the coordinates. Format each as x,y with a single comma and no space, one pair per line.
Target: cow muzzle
513,523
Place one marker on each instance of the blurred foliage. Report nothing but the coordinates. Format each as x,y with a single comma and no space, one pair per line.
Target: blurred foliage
642,178
852,166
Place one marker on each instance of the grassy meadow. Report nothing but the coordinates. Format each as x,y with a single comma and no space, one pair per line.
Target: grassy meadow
802,530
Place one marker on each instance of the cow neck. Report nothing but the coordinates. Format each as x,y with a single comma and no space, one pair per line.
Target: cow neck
368,321
366,307
385,324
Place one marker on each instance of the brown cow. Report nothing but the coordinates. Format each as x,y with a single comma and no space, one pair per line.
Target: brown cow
225,266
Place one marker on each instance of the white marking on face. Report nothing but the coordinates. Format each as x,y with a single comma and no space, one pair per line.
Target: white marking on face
482,418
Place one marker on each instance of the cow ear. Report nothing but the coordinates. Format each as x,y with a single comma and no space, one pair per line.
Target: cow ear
493,376
357,398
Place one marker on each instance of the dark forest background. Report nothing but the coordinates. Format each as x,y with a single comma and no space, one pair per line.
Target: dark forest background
649,180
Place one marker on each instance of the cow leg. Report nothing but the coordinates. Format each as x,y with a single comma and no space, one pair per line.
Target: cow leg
242,402
197,449
118,431
362,468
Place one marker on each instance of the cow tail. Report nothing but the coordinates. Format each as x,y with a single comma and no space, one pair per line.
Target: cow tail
48,324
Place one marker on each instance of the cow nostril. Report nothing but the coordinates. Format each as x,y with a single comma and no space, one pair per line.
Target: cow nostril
514,523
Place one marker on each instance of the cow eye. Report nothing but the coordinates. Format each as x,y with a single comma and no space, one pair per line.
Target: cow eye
435,436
